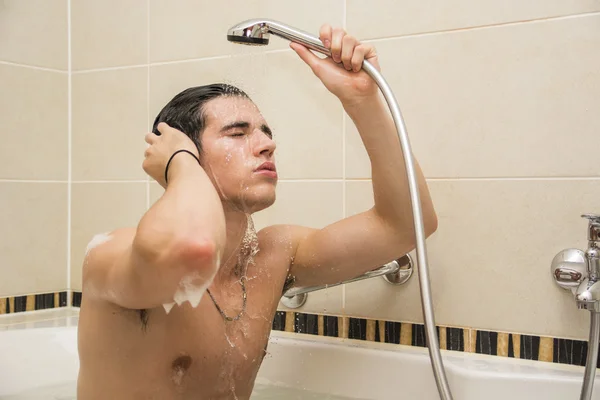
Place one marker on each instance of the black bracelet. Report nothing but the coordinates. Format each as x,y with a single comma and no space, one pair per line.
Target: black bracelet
169,162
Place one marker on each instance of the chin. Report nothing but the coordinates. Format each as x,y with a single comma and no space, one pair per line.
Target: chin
257,201
263,203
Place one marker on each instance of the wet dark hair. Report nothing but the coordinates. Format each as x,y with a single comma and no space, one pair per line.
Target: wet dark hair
186,113
186,110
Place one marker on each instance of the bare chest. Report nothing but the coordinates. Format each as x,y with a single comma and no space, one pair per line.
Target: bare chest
204,348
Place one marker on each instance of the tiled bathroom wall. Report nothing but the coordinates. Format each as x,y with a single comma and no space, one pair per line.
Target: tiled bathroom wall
34,146
501,101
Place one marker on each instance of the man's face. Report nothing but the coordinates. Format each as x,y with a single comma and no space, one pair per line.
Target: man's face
238,154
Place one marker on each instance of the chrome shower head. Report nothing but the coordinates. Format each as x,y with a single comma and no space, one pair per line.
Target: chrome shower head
251,32
258,31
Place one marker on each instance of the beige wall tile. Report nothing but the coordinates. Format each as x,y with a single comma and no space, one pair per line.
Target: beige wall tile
306,119
375,298
34,116
518,100
34,32
156,191
372,19
490,258
108,33
100,208
312,204
33,228
193,29
109,124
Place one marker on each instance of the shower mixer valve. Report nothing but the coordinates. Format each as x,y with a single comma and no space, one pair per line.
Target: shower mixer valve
579,270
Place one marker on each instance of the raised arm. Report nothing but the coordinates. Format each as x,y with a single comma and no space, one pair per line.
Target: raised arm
365,241
181,237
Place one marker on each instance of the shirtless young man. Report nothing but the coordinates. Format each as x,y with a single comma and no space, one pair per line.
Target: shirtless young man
198,234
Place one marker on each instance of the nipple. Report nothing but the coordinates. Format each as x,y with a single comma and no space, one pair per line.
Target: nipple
180,366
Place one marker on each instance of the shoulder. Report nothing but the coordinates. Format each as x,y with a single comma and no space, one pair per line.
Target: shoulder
283,237
106,243
104,248
279,243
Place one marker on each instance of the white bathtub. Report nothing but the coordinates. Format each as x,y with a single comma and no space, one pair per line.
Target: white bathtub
41,360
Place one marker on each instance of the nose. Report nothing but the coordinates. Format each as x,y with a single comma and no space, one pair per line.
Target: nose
263,144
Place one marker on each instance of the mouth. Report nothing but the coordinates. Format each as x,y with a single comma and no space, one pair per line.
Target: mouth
267,169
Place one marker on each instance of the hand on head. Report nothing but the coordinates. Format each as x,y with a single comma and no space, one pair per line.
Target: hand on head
162,147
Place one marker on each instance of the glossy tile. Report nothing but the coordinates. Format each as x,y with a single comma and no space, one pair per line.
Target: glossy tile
385,18
34,32
108,33
508,101
109,124
313,204
35,118
195,29
100,208
33,227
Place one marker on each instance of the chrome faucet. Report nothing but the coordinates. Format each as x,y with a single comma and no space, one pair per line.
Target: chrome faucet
587,295
579,271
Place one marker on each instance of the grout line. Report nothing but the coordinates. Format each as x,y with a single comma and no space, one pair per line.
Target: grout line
344,14
480,27
70,151
13,64
311,180
105,69
161,63
344,21
342,180
31,181
483,179
147,194
115,181
147,92
524,178
218,57
343,113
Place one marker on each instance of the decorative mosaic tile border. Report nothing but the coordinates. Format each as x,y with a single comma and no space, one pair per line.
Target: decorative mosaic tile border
539,348
32,302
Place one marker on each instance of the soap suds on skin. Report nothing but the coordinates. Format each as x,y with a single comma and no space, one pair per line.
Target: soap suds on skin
97,241
188,291
168,306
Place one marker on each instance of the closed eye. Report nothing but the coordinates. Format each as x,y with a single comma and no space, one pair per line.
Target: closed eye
237,134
